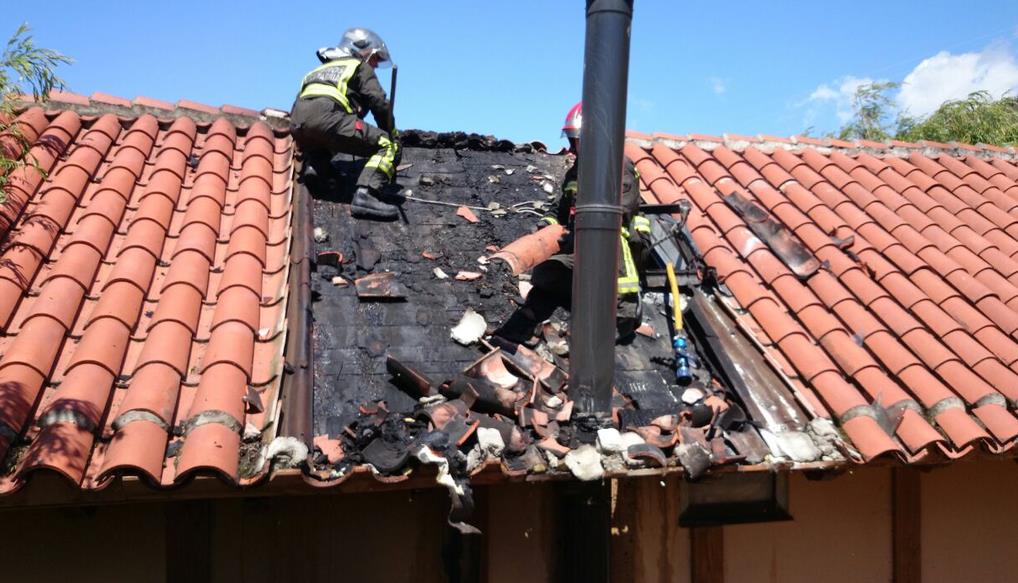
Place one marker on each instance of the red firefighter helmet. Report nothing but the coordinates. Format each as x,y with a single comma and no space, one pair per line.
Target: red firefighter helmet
574,119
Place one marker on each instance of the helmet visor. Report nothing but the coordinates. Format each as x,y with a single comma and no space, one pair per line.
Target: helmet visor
384,60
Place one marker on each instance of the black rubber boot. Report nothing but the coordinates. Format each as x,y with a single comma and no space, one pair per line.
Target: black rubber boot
366,206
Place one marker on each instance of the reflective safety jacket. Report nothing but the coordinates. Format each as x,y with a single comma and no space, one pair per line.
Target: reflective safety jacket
635,227
353,85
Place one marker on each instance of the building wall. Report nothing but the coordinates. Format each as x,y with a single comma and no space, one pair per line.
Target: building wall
841,532
970,523
648,545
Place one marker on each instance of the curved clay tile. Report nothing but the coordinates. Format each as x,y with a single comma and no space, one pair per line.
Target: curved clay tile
884,343
809,359
77,406
147,412
216,415
30,124
529,250
23,182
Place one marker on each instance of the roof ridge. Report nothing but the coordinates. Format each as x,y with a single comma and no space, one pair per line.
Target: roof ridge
768,143
102,103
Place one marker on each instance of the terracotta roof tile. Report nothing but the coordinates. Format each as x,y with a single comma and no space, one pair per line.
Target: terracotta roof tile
919,303
188,104
65,97
239,110
155,103
110,99
95,357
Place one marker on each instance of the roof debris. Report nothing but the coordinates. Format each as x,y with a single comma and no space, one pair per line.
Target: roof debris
379,286
779,238
468,276
470,329
467,214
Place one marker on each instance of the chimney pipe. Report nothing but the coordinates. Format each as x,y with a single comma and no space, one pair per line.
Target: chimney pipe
598,208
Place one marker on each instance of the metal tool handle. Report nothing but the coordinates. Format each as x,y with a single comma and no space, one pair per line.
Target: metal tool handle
392,97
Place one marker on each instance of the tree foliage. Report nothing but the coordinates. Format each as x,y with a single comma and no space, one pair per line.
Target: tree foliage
976,119
24,67
873,113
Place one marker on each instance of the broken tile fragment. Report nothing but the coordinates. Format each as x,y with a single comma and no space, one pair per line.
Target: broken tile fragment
430,255
551,445
333,258
467,214
379,286
694,458
646,453
340,281
646,329
439,274
415,383
332,448
468,276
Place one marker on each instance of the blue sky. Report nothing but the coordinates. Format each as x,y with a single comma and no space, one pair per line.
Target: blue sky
514,68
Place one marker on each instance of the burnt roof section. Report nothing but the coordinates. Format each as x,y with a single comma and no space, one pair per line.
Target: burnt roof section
385,367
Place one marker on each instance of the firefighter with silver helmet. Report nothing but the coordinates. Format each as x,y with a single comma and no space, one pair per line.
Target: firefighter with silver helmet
328,118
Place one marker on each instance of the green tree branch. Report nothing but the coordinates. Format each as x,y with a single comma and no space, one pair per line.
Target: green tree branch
23,67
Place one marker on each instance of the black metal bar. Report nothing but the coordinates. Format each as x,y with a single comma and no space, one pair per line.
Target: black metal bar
661,209
598,209
392,97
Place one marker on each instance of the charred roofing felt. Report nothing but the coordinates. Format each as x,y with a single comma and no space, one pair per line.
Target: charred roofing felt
163,315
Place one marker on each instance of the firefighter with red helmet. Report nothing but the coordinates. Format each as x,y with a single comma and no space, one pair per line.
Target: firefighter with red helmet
328,118
552,279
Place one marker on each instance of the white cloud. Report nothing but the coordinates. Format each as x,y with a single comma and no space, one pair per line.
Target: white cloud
839,94
945,76
717,85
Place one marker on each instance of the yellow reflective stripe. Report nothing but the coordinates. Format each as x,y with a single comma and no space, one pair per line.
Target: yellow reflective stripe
641,224
570,187
550,220
377,161
337,91
629,281
384,159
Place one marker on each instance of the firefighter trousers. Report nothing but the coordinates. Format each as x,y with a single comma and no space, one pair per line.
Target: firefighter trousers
322,129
